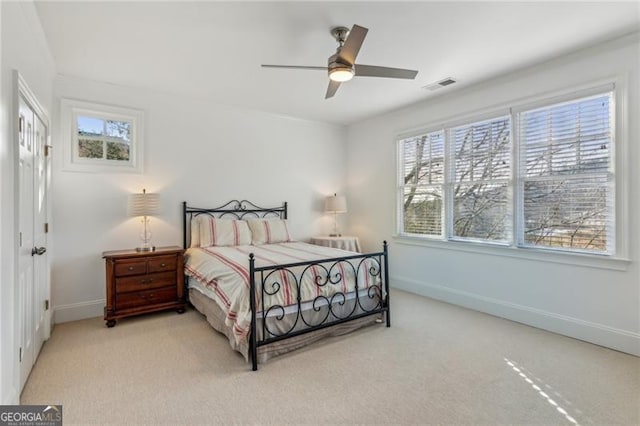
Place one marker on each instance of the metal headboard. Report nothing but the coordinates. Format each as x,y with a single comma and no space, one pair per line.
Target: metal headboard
234,209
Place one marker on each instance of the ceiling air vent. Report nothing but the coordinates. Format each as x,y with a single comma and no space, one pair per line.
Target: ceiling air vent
439,84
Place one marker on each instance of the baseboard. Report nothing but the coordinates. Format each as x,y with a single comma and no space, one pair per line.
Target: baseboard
599,334
78,311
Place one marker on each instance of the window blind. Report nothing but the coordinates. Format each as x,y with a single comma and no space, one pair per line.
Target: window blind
481,159
566,171
422,183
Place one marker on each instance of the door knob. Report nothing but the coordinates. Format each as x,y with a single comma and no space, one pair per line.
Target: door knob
38,250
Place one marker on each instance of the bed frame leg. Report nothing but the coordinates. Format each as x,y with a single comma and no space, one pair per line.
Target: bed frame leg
254,355
386,283
252,302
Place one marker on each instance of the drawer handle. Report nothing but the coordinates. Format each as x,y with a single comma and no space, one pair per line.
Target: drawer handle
131,268
162,265
147,281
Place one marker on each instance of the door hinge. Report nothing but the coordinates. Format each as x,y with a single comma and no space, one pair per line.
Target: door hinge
47,150
20,240
21,124
46,227
46,305
20,355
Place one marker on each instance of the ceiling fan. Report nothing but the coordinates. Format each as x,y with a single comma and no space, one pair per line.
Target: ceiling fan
342,65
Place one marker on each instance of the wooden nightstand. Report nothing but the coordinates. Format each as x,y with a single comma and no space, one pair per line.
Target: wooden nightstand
343,242
142,282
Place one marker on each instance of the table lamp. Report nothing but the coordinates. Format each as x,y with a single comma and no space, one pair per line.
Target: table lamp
335,204
144,205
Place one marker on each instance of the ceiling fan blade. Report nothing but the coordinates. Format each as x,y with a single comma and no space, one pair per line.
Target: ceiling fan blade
375,71
352,44
297,67
332,89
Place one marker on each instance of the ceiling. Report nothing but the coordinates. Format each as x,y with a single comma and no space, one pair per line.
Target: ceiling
213,50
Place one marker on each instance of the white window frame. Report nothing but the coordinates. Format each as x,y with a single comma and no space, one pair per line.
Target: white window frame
450,181
618,260
401,186
567,98
71,109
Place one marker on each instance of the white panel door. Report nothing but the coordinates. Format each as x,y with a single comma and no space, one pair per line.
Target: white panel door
25,292
33,282
40,262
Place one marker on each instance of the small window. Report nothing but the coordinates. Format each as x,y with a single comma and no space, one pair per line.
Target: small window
102,138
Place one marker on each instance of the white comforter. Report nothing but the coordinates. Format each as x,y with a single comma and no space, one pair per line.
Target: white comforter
225,271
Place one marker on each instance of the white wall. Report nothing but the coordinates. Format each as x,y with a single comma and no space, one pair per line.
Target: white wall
195,151
23,48
587,302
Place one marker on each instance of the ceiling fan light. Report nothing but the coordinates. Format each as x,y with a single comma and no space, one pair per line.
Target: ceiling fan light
341,74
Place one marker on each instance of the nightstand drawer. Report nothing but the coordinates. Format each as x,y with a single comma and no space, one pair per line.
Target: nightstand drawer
145,298
162,263
124,268
145,282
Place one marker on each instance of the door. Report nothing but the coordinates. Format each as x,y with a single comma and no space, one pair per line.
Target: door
33,269
40,225
26,242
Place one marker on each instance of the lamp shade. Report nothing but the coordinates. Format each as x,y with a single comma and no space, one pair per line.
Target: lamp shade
335,204
143,204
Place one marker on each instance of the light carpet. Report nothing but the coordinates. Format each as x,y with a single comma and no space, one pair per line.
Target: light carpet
437,364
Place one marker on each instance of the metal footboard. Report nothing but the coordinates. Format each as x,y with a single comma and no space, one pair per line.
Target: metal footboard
267,282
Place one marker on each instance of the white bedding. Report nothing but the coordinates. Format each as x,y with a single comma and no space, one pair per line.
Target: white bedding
223,275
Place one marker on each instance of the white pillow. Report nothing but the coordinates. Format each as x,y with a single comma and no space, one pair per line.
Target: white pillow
268,231
223,232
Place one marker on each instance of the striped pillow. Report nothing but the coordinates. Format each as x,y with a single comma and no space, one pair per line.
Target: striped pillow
223,232
268,231
194,241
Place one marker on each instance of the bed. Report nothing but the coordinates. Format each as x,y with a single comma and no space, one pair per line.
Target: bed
270,294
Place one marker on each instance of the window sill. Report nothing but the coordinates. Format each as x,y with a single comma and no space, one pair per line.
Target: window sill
87,167
532,254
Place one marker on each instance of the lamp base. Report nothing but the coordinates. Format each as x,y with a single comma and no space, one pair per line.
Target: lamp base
151,248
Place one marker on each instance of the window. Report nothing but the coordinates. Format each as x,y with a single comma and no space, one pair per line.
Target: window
423,183
565,166
481,175
102,138
538,177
